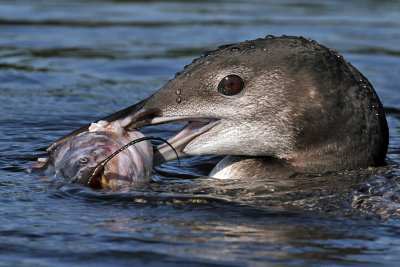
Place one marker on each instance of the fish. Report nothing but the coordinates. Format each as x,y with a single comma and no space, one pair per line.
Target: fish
106,155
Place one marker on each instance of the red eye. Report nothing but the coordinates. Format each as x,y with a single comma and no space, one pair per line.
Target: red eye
231,85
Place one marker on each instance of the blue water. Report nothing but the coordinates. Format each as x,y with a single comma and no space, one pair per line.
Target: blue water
66,63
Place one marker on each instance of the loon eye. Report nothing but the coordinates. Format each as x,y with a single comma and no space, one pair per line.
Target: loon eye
231,85
83,160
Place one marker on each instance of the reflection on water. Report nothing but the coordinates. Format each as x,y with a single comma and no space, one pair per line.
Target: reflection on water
63,64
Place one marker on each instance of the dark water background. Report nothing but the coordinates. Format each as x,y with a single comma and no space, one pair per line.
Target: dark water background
66,63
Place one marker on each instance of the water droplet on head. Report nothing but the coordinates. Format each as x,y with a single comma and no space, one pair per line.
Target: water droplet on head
178,99
205,54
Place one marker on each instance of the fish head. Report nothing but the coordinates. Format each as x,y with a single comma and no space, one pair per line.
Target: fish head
76,158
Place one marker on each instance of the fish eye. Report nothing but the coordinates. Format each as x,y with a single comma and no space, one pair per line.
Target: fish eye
231,85
83,160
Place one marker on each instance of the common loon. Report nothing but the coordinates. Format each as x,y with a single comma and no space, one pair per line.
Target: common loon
275,106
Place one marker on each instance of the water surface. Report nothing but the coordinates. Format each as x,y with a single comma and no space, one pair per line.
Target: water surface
66,63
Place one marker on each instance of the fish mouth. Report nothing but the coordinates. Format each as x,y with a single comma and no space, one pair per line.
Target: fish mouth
98,178
109,180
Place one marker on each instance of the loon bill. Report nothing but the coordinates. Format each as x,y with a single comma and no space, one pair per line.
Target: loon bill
274,105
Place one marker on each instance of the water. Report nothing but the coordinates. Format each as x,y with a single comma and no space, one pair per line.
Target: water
66,63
